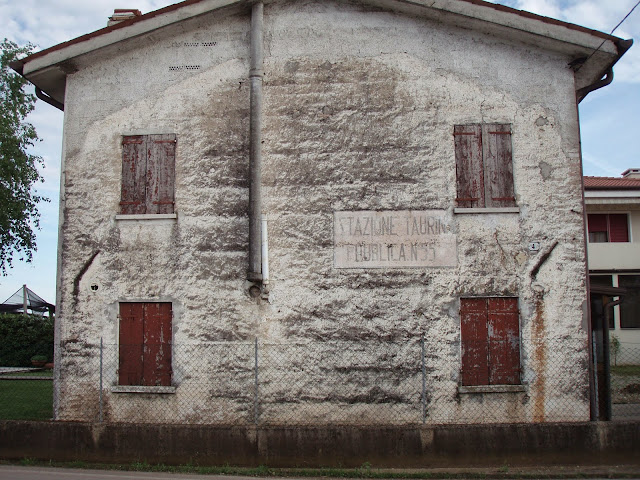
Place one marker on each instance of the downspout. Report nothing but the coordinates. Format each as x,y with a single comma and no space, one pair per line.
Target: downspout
47,99
584,91
606,352
254,274
622,46
592,374
265,255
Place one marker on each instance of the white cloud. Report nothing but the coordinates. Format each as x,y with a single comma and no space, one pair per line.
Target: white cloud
49,23
546,8
598,15
596,167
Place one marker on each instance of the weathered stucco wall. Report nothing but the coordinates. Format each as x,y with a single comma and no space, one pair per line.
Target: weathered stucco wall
359,109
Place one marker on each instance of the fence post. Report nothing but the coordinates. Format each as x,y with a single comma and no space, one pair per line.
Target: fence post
101,416
255,394
424,382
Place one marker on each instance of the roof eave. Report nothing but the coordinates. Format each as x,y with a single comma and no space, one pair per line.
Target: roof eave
48,68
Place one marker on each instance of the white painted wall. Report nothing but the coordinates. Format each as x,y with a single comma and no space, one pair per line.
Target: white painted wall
359,111
615,256
618,258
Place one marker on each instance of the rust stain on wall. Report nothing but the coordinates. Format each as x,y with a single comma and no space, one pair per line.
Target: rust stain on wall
539,359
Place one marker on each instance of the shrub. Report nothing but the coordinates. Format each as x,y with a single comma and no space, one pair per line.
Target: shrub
614,345
22,337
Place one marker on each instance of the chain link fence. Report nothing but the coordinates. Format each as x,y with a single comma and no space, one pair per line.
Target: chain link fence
625,381
333,382
413,381
26,394
232,383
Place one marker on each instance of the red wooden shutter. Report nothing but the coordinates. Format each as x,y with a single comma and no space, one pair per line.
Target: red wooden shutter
469,167
597,222
473,332
131,344
134,165
498,166
504,341
160,173
157,344
618,227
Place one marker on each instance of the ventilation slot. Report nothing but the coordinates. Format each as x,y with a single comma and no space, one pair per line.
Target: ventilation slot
180,68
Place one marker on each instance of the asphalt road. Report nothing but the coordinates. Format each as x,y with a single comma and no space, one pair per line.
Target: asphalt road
13,472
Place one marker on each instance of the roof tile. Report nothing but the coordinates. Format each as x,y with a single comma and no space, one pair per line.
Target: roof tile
611,183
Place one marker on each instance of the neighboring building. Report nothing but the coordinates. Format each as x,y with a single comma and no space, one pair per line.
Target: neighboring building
25,300
613,208
417,167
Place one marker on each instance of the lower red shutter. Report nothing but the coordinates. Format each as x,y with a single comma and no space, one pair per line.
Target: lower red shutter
131,344
157,344
504,341
473,332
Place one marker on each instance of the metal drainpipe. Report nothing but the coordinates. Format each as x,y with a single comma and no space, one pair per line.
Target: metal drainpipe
583,92
46,98
255,191
606,352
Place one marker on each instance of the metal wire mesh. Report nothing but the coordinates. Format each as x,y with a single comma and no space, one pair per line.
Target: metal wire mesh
341,383
413,381
625,381
25,395
360,383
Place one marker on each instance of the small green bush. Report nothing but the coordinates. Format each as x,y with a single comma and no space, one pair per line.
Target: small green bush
24,336
614,344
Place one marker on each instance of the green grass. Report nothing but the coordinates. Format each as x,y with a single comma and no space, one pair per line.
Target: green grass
625,370
33,373
26,399
363,472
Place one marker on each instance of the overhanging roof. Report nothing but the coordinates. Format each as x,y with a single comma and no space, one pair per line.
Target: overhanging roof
611,183
48,68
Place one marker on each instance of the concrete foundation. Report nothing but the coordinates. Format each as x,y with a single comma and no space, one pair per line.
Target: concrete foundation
337,446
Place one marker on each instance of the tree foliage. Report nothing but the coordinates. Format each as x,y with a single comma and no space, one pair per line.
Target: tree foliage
19,216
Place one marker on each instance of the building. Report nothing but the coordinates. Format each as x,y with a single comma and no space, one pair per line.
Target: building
613,208
323,211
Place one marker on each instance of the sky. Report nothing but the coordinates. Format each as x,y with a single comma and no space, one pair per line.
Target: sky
609,117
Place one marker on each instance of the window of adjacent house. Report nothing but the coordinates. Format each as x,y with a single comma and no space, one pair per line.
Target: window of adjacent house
148,171
608,227
145,344
484,170
605,281
490,336
630,306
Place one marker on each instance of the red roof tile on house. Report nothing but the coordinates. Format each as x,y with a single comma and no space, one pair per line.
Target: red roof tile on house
611,183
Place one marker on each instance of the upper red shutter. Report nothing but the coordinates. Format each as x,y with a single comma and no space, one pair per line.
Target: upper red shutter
134,164
473,333
504,341
498,166
157,344
597,222
131,344
160,173
469,168
618,227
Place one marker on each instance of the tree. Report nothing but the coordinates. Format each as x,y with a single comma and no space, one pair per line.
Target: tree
19,216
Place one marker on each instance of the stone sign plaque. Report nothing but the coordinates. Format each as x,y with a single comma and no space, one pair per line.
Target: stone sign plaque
399,239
